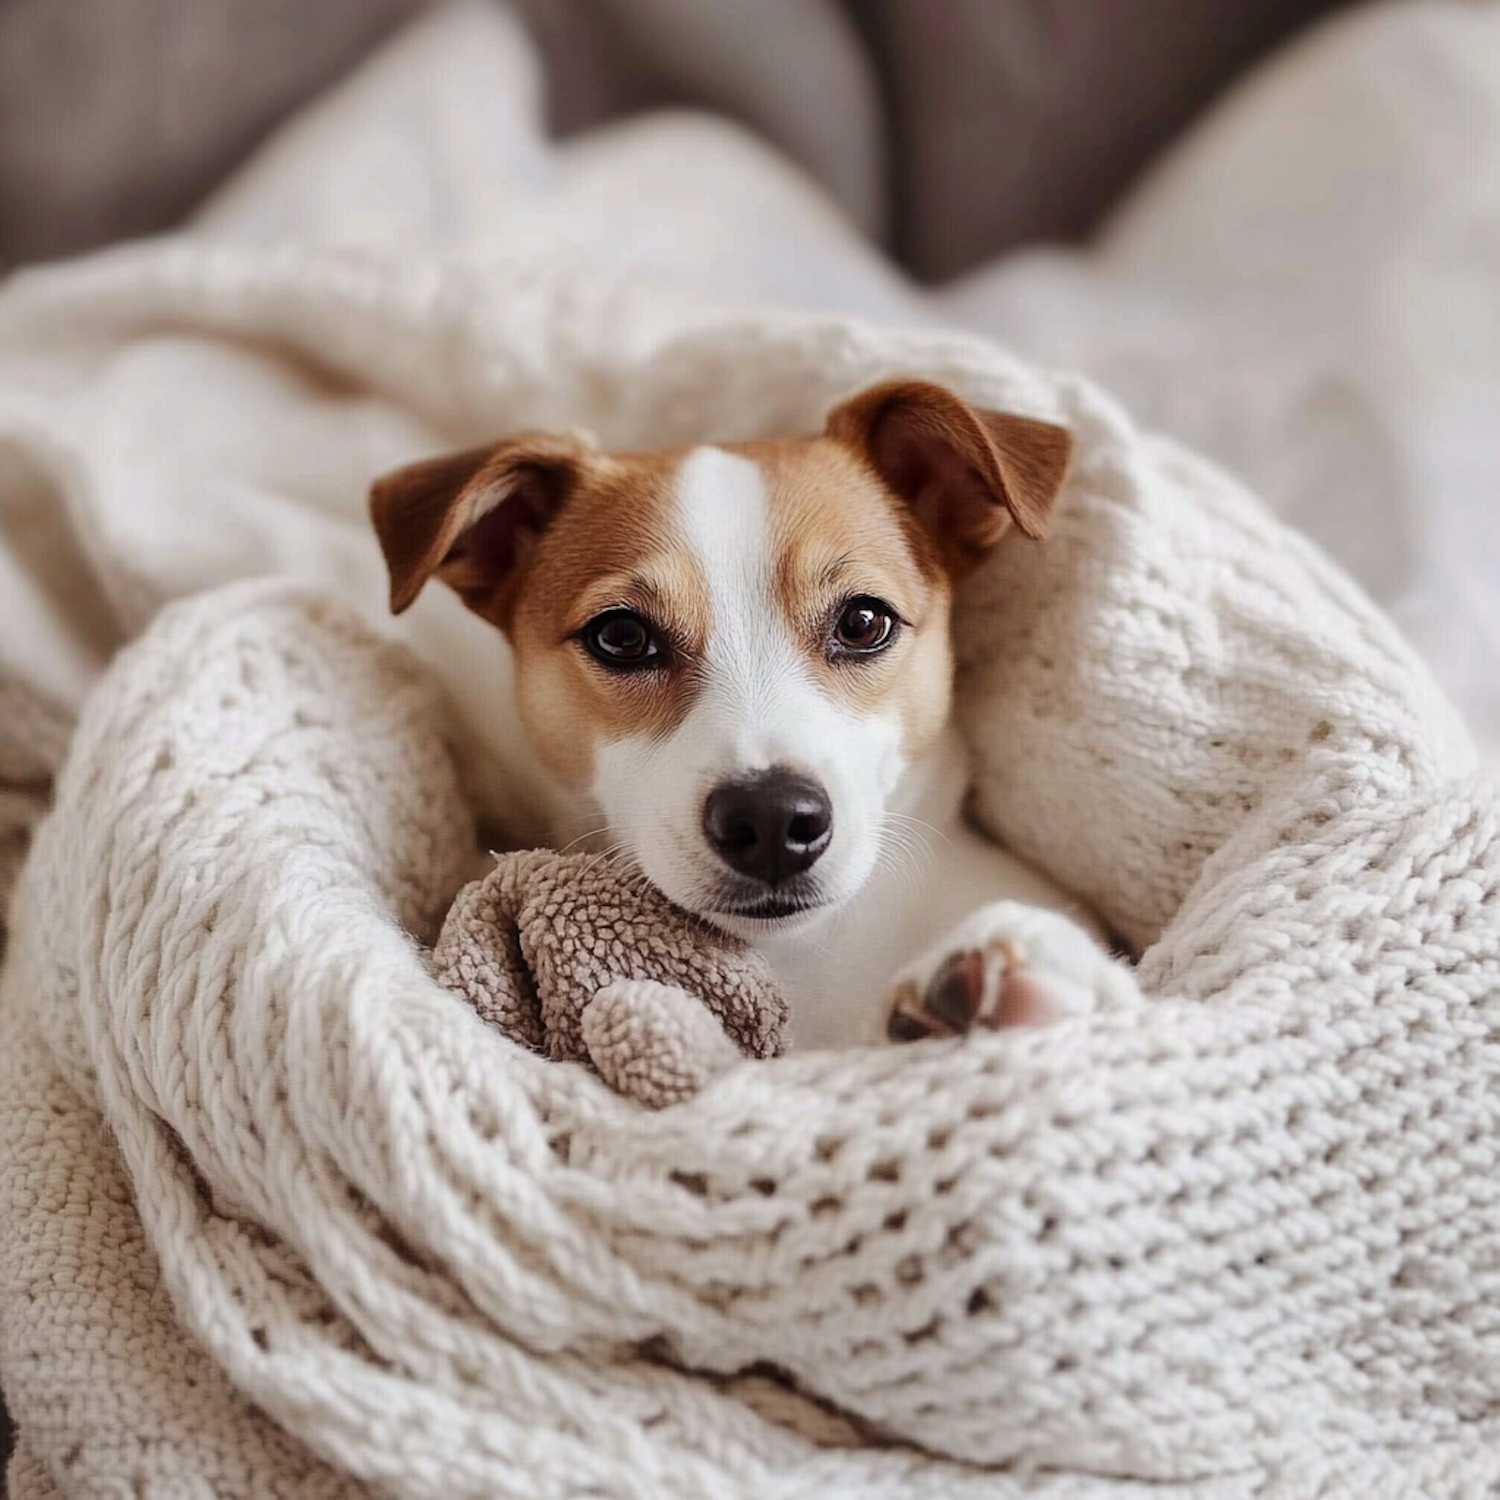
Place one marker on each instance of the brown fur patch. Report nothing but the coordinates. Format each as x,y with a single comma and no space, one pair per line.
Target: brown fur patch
610,546
838,532
584,533
966,473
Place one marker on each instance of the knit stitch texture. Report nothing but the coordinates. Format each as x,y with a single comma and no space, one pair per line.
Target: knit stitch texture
1241,1236
280,1217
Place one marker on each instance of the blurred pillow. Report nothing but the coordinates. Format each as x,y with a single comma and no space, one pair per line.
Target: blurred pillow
116,118
1014,120
794,70
1023,120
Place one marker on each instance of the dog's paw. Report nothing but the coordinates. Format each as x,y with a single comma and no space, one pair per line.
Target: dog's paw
1006,964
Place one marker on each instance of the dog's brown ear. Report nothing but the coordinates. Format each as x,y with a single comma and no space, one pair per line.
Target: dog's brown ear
466,517
966,473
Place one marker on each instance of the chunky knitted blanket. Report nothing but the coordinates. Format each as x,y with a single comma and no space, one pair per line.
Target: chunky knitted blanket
337,1234
280,1217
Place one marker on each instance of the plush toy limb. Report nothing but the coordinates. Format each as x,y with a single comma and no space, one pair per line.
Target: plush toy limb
479,955
656,1043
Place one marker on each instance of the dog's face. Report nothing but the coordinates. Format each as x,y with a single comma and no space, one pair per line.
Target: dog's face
732,652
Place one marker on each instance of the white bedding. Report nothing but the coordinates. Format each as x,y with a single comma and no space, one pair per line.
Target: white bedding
1306,290
410,266
1243,1230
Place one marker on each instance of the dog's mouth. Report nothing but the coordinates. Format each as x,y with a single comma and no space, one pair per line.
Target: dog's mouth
769,909
748,910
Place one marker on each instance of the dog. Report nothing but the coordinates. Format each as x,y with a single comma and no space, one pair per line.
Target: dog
736,661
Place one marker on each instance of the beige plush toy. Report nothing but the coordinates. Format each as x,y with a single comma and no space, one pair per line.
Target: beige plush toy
569,955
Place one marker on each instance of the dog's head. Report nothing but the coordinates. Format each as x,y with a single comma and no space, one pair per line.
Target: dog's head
733,651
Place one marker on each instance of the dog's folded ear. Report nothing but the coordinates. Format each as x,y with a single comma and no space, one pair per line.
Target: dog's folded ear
469,517
966,473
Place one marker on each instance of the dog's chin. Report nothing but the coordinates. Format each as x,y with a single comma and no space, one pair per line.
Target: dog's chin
751,912
755,915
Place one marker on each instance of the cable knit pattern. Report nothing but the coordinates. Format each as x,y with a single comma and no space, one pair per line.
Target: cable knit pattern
1241,1237
281,1217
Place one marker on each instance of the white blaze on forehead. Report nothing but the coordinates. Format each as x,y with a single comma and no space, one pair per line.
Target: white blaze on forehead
760,703
750,659
720,505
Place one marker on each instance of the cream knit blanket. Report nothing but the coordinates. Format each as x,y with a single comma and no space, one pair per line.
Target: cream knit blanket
1244,1238
279,1218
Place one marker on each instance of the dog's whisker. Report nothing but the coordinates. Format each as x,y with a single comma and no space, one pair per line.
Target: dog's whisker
913,844
602,856
919,826
908,834
907,877
906,858
584,837
631,874
914,837
629,869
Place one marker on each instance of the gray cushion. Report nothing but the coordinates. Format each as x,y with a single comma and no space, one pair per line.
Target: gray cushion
116,118
1012,120
1023,120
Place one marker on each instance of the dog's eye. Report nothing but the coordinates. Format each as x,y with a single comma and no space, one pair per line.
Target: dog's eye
622,639
864,626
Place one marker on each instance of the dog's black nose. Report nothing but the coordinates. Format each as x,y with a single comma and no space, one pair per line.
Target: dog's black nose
769,826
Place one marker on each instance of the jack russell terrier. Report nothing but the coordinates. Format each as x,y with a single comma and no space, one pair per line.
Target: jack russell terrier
735,659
